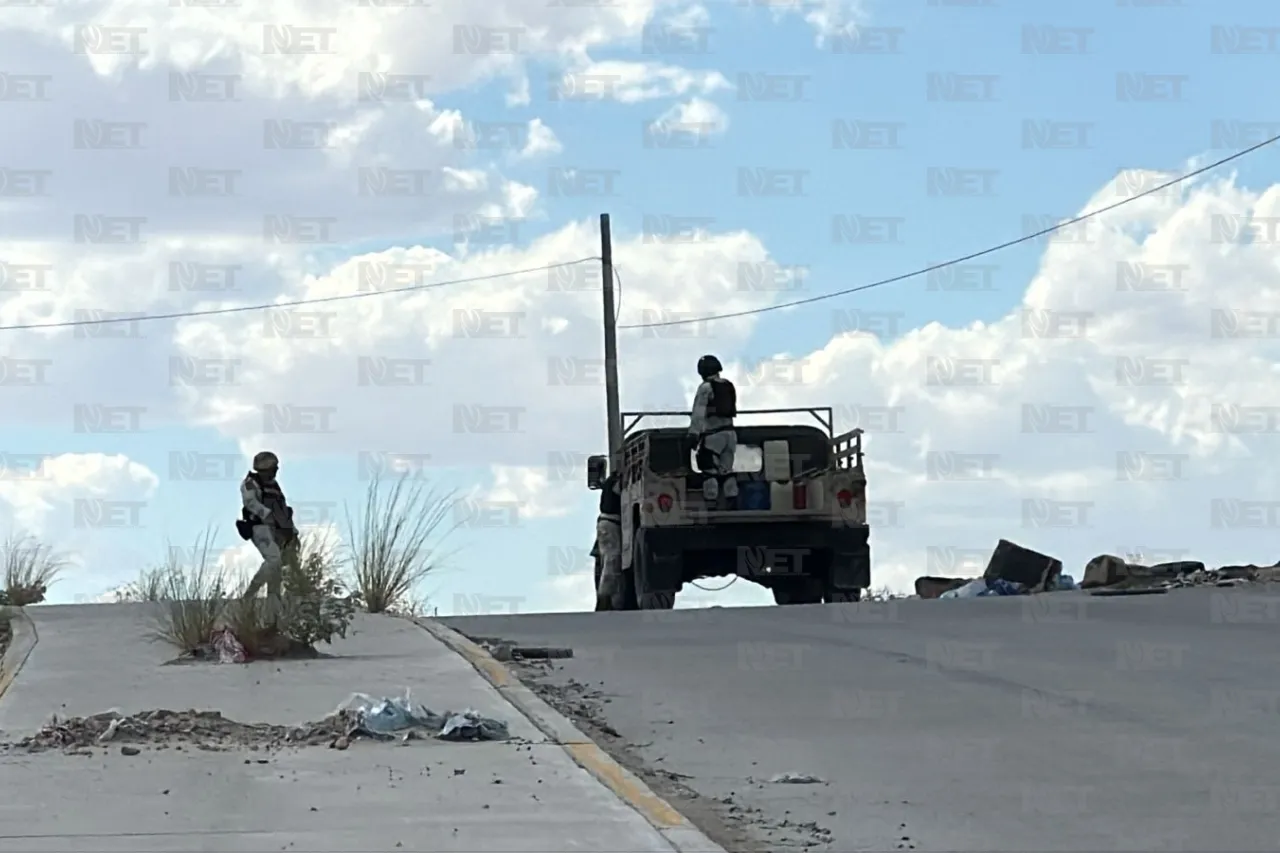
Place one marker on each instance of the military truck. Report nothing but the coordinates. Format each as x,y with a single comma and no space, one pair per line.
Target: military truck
810,544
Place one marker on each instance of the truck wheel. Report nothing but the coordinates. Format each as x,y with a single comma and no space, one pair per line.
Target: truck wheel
804,591
645,599
629,590
657,600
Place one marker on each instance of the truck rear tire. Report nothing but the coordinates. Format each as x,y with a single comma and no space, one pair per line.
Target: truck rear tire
646,599
657,600
629,590
800,591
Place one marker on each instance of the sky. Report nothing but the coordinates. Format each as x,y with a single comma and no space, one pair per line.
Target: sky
1112,390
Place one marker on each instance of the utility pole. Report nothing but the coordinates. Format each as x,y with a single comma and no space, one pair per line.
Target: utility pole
612,406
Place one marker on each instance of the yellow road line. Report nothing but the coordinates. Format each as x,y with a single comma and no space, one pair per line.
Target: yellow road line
588,755
655,809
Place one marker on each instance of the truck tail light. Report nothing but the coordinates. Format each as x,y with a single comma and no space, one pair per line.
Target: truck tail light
665,502
800,496
845,498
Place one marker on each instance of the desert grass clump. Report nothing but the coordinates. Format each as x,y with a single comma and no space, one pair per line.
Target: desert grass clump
152,585
191,597
395,543
30,568
314,606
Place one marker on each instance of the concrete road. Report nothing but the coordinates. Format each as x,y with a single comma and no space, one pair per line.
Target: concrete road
1057,722
428,795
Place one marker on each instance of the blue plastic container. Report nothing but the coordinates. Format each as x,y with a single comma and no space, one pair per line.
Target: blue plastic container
753,495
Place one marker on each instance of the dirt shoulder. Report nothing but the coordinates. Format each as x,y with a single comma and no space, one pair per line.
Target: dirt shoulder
6,631
737,828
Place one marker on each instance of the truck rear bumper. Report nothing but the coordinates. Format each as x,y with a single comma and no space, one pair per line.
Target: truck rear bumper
839,556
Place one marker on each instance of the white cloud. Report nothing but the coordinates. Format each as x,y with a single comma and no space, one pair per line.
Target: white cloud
319,47
1100,400
633,82
541,141
695,117
694,19
829,18
68,491
76,503
531,490
438,371
509,368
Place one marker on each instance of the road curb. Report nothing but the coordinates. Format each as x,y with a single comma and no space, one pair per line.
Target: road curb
22,641
679,832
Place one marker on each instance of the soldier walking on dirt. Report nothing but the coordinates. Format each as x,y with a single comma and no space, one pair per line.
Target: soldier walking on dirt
267,521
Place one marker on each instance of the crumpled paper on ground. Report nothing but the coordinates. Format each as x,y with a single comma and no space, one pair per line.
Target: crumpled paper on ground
382,718
227,647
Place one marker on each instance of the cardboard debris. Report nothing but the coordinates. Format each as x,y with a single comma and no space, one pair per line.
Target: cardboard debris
1033,572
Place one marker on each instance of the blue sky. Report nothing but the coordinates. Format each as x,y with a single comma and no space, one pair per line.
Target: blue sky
1068,93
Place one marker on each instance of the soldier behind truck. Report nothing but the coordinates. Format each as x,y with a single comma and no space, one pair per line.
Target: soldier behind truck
609,543
711,425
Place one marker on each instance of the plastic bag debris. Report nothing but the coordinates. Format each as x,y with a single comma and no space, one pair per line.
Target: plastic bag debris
795,779
227,647
382,718
1000,586
469,725
972,589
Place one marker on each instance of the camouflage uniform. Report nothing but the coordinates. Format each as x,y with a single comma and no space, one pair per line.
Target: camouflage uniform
609,594
272,532
717,440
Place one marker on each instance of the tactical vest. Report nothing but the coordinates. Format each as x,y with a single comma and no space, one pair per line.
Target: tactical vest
724,399
273,498
611,498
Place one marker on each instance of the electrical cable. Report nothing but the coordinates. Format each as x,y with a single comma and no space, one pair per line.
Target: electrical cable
731,582
617,307
295,303
1005,245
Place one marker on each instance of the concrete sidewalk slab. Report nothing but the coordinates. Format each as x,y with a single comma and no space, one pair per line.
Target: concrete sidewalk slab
675,827
420,796
93,658
22,639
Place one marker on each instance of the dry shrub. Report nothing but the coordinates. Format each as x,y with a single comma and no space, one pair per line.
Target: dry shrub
151,585
196,602
394,545
30,568
191,599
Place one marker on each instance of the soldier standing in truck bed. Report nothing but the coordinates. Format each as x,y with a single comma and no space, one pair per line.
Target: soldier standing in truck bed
711,424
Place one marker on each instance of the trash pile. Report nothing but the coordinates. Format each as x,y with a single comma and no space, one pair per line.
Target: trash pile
360,716
165,729
224,646
1111,572
1015,570
383,719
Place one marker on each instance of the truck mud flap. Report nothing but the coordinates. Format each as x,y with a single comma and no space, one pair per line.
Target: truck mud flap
663,572
851,565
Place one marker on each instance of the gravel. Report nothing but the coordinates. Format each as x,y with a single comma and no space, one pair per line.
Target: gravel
733,825
179,730
6,633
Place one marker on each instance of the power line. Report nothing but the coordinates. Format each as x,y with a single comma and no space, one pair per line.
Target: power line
924,271
295,303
